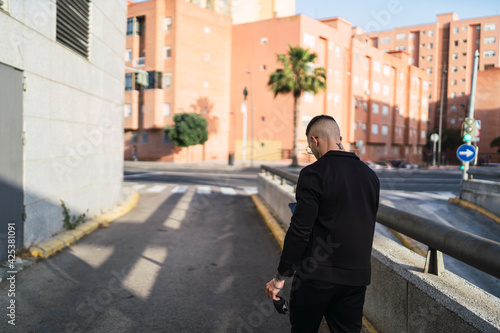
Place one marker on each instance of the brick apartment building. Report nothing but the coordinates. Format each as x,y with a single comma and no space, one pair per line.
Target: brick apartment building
445,50
185,46
379,100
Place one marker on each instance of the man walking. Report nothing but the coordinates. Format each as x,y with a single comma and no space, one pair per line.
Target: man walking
328,245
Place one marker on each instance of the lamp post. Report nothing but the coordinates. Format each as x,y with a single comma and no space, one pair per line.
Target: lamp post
244,138
252,109
440,130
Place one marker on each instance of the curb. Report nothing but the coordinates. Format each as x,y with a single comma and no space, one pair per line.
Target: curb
66,238
279,236
477,208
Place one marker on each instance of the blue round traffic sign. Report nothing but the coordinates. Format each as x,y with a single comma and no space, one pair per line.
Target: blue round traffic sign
466,153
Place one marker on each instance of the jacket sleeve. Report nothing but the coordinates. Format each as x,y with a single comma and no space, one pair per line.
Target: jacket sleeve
308,194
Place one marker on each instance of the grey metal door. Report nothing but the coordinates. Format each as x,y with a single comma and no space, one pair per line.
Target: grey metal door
11,159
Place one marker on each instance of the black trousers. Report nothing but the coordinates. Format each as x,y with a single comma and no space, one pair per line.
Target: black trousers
341,305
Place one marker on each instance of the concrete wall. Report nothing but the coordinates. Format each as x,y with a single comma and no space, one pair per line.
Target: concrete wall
401,298
73,111
483,193
277,196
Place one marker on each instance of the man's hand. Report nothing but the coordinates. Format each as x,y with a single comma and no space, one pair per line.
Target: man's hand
273,287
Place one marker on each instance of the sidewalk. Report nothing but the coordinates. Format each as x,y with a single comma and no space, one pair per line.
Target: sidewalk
204,165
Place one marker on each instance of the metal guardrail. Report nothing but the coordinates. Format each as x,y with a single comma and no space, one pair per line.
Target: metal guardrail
470,249
485,171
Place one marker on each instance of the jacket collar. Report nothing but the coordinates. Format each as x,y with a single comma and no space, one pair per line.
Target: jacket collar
340,153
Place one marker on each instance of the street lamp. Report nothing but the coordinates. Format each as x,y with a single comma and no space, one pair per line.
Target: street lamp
440,133
252,109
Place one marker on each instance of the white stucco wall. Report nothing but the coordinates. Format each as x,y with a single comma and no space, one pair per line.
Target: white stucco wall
73,111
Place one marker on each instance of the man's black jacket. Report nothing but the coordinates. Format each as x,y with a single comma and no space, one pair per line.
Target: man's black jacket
331,232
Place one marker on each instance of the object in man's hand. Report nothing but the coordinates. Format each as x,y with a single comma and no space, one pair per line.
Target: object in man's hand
292,206
281,305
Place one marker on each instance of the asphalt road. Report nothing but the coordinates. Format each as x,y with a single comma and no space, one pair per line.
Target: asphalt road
186,259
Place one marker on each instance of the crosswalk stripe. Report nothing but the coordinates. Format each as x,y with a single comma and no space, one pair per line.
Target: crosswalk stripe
156,188
180,189
250,190
227,191
203,190
139,186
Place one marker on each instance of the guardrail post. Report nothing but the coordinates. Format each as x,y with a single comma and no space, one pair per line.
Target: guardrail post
434,263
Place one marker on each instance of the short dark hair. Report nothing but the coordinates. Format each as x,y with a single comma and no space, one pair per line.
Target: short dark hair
316,119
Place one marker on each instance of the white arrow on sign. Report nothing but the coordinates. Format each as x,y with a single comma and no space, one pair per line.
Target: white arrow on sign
467,153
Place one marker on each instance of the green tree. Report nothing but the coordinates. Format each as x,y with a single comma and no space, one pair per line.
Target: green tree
190,129
496,143
297,76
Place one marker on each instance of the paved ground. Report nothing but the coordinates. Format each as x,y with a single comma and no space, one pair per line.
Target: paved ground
182,261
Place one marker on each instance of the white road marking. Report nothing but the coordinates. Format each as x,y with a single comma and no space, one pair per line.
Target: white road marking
180,189
139,186
156,188
250,190
203,190
228,191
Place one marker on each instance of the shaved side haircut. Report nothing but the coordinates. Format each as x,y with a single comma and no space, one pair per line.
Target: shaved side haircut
324,126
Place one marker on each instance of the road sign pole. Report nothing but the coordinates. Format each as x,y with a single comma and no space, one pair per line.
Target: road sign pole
434,153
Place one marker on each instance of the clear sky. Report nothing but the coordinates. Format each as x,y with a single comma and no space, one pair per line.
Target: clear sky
388,14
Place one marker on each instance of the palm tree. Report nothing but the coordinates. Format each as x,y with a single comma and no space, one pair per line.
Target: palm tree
298,75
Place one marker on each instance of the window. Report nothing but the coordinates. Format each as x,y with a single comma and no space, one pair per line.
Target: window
454,82
488,66
454,68
464,40
386,91
453,95
385,110
376,87
166,109
336,99
134,137
490,40
168,52
387,70
166,139
376,66
167,80
128,81
386,39
463,67
128,55
144,137
154,80
490,26
488,54
375,108
412,35
263,40
454,56
127,110
422,45
455,30
206,56
356,80
400,36
429,70
374,128
453,108
309,40
400,48
365,106
167,23
431,33
207,30
456,43
331,46
429,58
453,121
385,129
130,26
73,25
206,84
337,51
263,67
478,28
464,27
308,97
431,45
464,54
337,76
